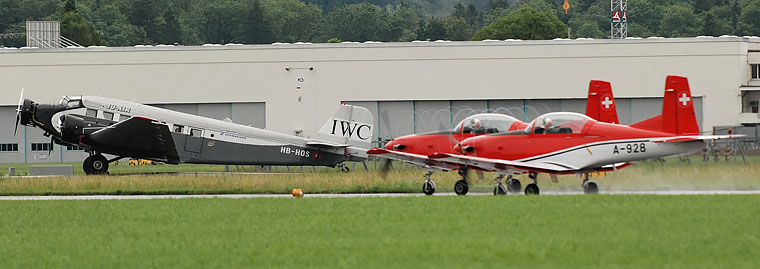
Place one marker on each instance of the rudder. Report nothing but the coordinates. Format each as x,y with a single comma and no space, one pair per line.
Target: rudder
601,104
678,116
350,125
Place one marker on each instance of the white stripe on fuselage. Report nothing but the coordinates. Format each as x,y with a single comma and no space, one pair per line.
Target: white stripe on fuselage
597,154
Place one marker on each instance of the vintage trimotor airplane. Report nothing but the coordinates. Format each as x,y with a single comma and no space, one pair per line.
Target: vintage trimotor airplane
572,143
415,149
126,129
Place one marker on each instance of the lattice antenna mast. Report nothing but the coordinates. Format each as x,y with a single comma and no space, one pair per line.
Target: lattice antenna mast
619,19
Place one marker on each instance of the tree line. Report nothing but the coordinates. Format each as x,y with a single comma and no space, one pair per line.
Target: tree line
194,22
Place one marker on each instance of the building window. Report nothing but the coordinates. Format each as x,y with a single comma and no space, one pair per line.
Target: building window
755,71
73,148
42,146
9,147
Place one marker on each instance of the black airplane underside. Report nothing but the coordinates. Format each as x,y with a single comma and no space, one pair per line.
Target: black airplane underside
211,151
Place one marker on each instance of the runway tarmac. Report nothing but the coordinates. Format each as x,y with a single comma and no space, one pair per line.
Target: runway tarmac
350,195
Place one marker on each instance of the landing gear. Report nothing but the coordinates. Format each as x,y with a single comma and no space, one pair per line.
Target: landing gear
96,164
461,188
513,185
532,188
588,186
500,189
428,188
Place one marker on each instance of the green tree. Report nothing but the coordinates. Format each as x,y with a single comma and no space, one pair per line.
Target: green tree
524,23
434,30
116,27
644,16
219,22
257,30
680,21
292,20
749,19
358,22
77,28
402,24
456,28
718,21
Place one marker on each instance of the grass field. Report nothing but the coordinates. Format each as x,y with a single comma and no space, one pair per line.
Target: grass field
476,231
649,175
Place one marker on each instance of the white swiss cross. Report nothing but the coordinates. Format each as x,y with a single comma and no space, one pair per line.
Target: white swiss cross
607,102
684,99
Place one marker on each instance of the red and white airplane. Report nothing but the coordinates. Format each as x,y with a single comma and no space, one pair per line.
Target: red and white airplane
415,149
572,143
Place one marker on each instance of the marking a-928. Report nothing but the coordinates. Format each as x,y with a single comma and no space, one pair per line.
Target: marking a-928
630,148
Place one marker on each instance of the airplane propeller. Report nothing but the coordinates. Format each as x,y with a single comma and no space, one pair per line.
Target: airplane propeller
18,111
385,167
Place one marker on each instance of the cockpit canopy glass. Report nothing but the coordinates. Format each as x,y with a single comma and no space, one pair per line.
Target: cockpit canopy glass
71,102
485,124
558,123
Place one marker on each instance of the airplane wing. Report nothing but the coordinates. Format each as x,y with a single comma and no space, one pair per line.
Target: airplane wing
698,138
489,164
414,159
140,135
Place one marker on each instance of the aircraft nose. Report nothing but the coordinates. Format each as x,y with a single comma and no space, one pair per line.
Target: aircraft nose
25,112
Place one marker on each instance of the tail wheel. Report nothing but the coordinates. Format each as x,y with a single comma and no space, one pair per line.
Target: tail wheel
531,189
461,188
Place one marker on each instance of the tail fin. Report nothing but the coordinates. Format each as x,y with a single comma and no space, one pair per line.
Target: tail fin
678,115
601,104
350,125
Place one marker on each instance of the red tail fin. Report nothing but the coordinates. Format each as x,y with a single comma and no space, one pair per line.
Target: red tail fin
678,115
600,104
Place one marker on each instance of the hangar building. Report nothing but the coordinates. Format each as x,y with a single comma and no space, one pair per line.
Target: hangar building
409,87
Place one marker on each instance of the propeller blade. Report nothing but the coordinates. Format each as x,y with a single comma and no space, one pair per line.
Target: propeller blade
385,166
480,174
50,149
18,111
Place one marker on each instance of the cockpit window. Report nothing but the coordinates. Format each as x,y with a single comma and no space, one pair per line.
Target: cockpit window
71,102
558,123
485,124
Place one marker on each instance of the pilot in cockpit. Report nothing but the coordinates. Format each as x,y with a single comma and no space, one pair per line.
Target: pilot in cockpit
546,127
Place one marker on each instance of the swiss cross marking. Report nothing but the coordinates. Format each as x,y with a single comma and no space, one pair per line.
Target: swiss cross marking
684,99
607,102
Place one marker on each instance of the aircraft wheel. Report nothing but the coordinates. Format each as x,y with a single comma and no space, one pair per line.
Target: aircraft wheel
345,169
460,188
514,186
531,189
500,190
428,188
95,165
590,188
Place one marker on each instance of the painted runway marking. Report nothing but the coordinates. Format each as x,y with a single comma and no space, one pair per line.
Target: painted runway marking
354,195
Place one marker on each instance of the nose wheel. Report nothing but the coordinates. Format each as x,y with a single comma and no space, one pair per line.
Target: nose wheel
428,188
96,164
500,189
